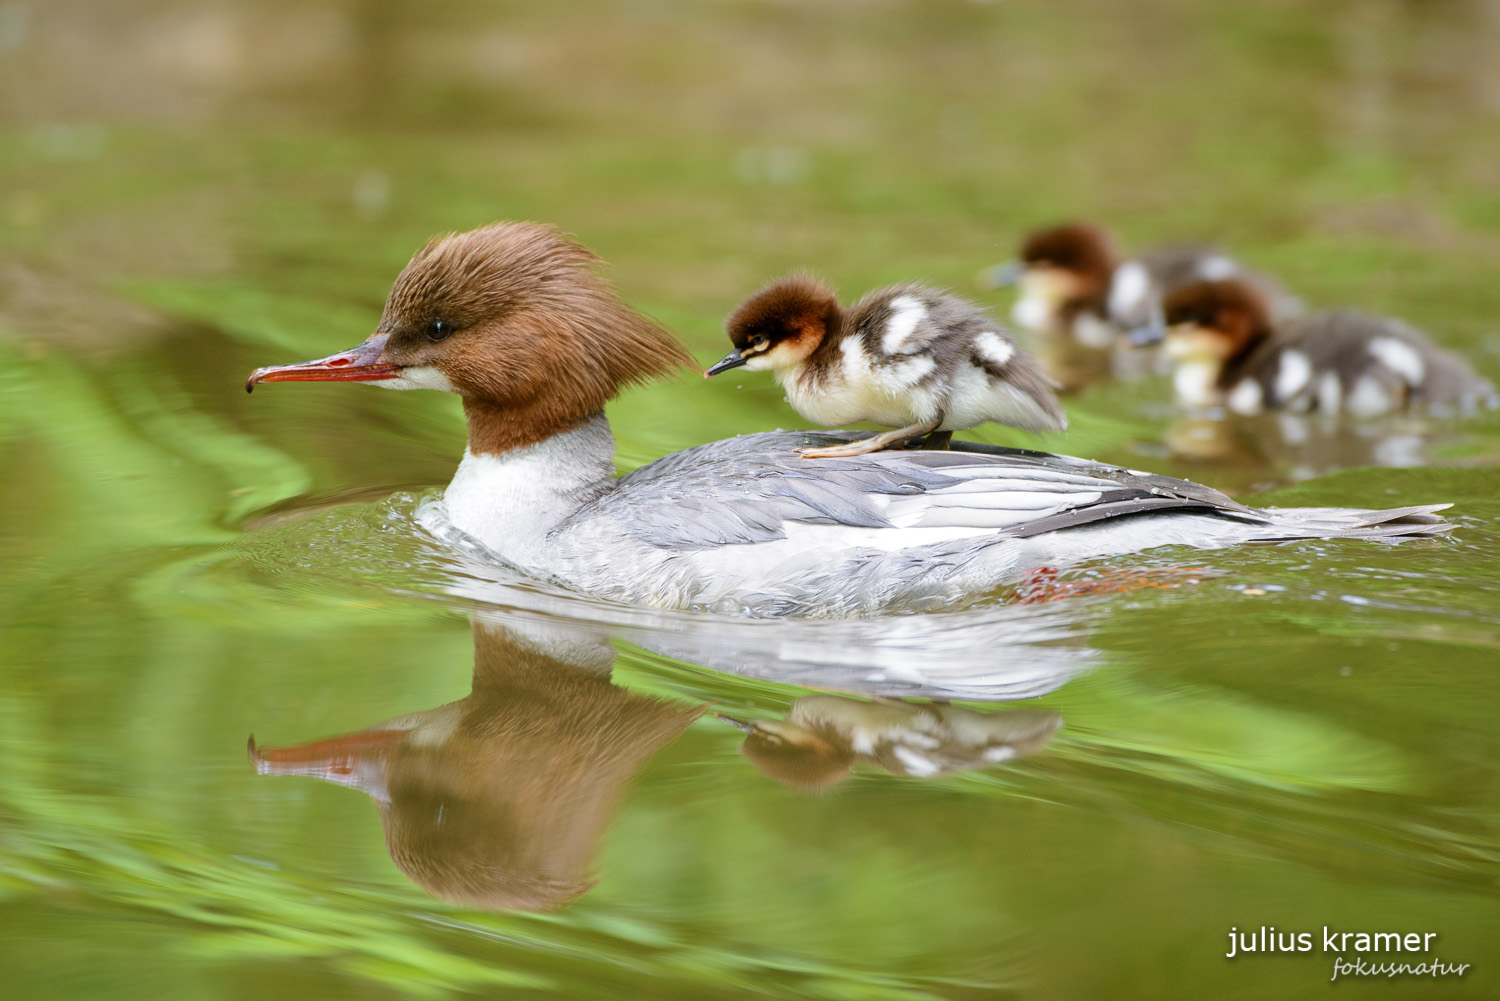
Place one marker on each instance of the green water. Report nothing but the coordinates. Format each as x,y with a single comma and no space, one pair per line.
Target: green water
1301,737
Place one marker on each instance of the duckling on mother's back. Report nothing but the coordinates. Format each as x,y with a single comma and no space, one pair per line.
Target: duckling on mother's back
910,356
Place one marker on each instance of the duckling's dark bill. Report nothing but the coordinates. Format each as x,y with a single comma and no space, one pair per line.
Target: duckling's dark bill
1001,275
732,360
358,364
738,724
1146,334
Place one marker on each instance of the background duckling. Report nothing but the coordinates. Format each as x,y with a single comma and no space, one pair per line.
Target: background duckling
1227,351
1072,283
911,357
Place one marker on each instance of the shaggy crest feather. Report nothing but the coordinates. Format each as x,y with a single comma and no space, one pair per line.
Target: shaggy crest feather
542,308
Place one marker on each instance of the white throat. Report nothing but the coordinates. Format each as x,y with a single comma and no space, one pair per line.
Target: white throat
1196,381
511,501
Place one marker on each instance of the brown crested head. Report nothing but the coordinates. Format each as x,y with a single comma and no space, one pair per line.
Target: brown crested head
784,322
1230,310
515,317
1076,247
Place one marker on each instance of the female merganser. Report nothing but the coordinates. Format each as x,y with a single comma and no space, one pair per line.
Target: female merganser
512,319
1227,351
909,356
823,736
1072,283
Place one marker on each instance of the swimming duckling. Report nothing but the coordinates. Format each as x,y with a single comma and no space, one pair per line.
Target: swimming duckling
1227,351
909,356
1073,284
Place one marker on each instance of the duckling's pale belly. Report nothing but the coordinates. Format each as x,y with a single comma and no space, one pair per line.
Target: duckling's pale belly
967,398
893,399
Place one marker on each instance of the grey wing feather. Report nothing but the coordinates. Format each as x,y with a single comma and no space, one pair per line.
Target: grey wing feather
746,490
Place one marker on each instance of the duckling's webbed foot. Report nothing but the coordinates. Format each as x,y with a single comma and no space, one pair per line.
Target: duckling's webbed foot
890,439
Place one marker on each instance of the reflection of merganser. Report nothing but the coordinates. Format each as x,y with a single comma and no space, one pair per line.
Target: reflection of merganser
1072,283
500,800
512,319
1227,351
909,356
824,735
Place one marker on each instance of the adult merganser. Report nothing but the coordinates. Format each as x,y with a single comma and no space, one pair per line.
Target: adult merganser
912,357
1228,351
822,737
1072,283
512,318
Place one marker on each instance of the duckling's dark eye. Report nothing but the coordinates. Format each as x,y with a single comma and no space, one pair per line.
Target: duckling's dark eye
759,342
438,330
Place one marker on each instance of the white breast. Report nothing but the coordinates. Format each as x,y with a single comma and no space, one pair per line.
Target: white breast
1194,383
509,502
1032,312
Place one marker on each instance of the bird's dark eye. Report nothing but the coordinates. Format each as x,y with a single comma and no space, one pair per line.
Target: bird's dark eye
759,342
438,330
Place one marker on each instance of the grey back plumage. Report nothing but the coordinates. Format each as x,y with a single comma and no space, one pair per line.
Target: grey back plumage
749,489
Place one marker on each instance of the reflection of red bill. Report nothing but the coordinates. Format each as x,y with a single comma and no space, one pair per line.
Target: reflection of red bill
335,756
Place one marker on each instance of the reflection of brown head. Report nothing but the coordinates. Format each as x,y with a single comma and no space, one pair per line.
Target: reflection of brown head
499,801
794,755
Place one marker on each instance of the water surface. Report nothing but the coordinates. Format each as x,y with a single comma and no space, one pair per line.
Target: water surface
1294,736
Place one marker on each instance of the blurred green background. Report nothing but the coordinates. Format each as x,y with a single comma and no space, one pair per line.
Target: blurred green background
190,189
